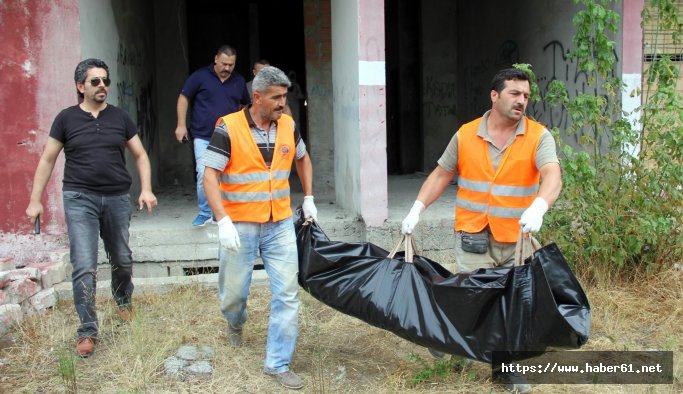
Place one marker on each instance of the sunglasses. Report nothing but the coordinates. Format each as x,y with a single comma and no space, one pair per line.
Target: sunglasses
96,81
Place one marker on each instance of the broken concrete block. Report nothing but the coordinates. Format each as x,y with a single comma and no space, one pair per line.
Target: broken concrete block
21,273
20,290
39,302
51,273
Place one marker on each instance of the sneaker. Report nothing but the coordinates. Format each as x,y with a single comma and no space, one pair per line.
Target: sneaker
85,346
512,382
201,220
126,313
288,379
461,363
234,336
437,354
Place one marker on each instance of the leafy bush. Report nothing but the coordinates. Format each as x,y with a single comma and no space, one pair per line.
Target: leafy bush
621,209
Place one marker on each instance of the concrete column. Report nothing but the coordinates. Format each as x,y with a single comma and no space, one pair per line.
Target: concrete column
171,69
358,75
318,46
632,63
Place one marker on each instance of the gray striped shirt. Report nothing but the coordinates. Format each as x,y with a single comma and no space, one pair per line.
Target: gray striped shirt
217,155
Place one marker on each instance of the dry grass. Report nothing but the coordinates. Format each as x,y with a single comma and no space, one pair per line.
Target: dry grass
335,353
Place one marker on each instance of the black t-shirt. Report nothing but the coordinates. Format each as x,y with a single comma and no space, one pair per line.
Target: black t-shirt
94,149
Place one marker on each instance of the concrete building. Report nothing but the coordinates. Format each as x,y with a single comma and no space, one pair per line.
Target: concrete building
387,83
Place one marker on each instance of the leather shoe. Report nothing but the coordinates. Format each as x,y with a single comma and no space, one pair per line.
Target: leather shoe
85,347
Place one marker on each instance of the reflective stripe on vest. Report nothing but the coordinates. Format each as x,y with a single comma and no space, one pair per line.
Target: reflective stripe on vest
254,177
493,211
255,196
252,192
498,190
495,198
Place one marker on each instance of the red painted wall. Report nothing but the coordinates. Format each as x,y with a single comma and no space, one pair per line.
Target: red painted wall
40,48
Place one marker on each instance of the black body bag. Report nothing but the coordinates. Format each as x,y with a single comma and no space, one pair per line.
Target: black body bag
527,308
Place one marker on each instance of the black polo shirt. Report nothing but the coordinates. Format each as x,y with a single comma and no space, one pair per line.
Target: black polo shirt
212,99
94,149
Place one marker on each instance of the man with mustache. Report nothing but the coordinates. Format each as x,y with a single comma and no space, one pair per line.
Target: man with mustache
212,91
508,176
97,203
246,180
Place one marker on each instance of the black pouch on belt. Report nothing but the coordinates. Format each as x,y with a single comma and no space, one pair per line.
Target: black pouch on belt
475,242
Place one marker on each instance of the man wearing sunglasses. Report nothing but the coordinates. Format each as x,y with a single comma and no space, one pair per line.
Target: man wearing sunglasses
96,197
213,91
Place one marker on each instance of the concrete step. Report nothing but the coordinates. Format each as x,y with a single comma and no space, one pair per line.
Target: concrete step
156,285
189,250
165,244
183,242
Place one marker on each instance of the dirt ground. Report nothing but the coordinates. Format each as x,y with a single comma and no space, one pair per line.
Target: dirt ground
335,353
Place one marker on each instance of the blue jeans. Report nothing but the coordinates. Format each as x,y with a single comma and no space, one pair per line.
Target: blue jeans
200,146
277,244
88,217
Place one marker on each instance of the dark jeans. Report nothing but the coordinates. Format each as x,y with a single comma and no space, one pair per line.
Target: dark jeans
89,217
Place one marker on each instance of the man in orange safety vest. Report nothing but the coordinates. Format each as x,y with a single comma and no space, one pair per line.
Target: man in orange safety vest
246,181
508,175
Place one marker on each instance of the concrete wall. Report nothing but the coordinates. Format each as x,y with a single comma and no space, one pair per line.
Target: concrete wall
544,49
542,41
37,65
482,51
121,33
345,100
440,65
321,143
171,48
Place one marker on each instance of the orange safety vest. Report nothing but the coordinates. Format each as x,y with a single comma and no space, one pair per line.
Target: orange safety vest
251,191
499,198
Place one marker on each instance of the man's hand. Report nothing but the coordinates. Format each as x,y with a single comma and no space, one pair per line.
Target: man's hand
227,234
147,198
532,219
413,217
310,211
181,133
34,209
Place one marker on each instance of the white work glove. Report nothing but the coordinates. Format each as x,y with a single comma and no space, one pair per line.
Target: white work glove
310,211
413,217
532,218
227,234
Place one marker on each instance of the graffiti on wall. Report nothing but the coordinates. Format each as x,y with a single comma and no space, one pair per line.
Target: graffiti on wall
136,92
320,90
561,68
554,64
508,54
439,98
564,69
137,100
129,57
475,79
